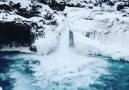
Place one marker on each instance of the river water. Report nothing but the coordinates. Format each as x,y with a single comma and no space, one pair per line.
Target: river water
62,70
19,74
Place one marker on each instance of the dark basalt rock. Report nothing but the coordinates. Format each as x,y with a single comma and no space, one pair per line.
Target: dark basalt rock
120,7
27,13
54,5
18,32
33,49
58,7
48,16
15,34
61,6
5,7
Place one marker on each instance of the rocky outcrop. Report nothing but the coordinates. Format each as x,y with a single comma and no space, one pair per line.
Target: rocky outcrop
53,4
22,11
28,23
60,4
13,34
23,22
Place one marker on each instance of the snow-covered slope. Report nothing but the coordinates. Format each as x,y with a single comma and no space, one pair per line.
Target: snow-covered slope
102,25
41,23
99,32
120,5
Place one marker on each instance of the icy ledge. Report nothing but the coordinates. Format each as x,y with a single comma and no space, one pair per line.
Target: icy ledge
88,46
100,33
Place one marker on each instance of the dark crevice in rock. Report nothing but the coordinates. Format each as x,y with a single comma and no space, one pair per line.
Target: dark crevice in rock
15,34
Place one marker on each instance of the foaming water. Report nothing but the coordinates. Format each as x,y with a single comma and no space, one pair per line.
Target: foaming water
64,38
62,70
56,72
33,72
117,79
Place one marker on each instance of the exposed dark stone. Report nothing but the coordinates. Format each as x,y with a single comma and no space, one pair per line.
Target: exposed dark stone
16,6
33,49
5,7
48,16
56,6
15,34
78,5
120,7
25,12
90,7
45,1
28,14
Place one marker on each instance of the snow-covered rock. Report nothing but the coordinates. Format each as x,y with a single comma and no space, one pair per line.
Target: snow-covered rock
24,22
100,33
103,25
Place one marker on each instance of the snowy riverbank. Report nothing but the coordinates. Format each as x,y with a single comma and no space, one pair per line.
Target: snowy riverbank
100,33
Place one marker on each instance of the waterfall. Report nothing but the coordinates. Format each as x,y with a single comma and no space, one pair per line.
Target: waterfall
71,39
64,38
1,88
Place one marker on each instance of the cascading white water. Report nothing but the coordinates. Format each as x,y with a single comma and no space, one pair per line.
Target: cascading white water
65,66
64,69
1,88
64,38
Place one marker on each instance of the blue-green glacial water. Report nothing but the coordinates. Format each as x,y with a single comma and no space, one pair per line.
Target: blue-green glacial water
18,74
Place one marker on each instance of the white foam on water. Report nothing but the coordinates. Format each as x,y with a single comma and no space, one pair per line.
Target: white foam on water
69,70
64,69
1,88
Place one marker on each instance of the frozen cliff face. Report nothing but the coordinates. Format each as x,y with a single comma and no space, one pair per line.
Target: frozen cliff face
100,32
105,27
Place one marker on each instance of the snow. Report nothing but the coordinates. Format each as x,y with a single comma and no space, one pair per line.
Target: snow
65,66
101,30
21,49
1,88
23,3
5,17
47,44
95,32
89,46
108,33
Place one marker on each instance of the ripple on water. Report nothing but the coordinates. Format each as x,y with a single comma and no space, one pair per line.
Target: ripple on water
21,73
74,77
15,74
5,80
117,79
